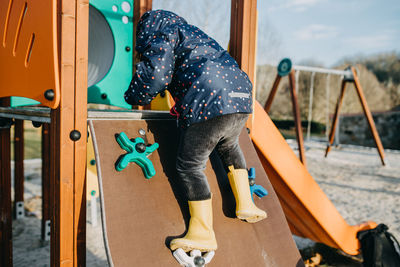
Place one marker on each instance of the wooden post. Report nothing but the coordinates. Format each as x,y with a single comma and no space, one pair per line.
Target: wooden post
68,139
243,39
335,118
46,216
140,7
18,167
5,195
368,115
271,95
297,119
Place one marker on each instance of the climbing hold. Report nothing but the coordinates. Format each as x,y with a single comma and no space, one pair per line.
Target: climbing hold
137,153
195,259
255,188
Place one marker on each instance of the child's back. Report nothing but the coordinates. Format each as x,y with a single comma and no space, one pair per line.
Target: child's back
203,78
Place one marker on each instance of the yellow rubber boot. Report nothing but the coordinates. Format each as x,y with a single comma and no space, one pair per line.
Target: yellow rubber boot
200,234
245,207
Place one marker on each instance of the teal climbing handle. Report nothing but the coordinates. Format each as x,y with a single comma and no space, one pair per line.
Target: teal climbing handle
136,154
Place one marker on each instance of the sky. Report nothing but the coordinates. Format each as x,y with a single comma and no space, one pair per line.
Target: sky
319,31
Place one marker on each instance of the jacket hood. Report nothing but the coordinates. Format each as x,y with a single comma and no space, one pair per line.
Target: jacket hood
153,21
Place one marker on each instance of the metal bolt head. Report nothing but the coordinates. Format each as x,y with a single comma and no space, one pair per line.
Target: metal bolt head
140,147
75,135
49,94
103,96
252,181
36,124
142,132
127,48
199,261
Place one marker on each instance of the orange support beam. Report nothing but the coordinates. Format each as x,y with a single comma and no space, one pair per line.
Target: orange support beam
68,139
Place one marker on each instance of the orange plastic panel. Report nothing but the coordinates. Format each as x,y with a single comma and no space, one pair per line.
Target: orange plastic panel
28,50
308,210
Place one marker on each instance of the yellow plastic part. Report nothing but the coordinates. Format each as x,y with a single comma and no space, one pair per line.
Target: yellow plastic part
28,50
308,210
91,171
200,234
245,207
162,103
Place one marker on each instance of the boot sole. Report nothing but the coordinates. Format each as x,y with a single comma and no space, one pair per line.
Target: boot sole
192,246
251,218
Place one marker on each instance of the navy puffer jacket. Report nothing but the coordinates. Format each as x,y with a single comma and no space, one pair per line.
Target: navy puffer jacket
203,78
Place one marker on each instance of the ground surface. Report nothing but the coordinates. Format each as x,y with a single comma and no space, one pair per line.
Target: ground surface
352,177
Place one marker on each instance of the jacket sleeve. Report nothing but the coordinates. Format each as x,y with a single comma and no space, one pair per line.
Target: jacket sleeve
153,73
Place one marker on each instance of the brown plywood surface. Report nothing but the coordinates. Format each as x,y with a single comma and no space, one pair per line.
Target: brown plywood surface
143,215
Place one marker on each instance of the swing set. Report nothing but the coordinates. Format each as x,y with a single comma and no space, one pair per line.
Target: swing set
349,75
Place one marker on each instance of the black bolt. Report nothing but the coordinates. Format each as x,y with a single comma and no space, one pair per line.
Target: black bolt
248,130
103,95
127,48
199,261
252,181
75,135
140,147
49,94
93,162
36,124
162,94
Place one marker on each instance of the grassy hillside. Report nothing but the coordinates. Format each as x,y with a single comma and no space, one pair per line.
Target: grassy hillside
32,145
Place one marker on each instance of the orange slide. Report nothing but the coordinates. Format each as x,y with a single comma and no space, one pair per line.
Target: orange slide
308,210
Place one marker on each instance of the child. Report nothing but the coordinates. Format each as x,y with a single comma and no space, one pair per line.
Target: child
213,100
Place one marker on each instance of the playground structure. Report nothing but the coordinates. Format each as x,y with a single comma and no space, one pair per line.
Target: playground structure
348,75
307,209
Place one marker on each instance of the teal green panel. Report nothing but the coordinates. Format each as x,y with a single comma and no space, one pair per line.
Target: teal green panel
22,101
111,88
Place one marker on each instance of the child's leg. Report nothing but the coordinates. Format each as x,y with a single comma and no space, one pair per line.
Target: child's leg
195,146
228,147
231,155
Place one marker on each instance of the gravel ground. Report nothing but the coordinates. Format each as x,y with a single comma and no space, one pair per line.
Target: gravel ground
352,177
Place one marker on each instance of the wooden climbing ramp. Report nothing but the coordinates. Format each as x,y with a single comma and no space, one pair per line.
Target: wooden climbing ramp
141,216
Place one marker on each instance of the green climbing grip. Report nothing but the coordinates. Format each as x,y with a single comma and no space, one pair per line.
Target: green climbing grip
137,153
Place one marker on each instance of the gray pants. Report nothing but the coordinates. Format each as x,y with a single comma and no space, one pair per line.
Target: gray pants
196,144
